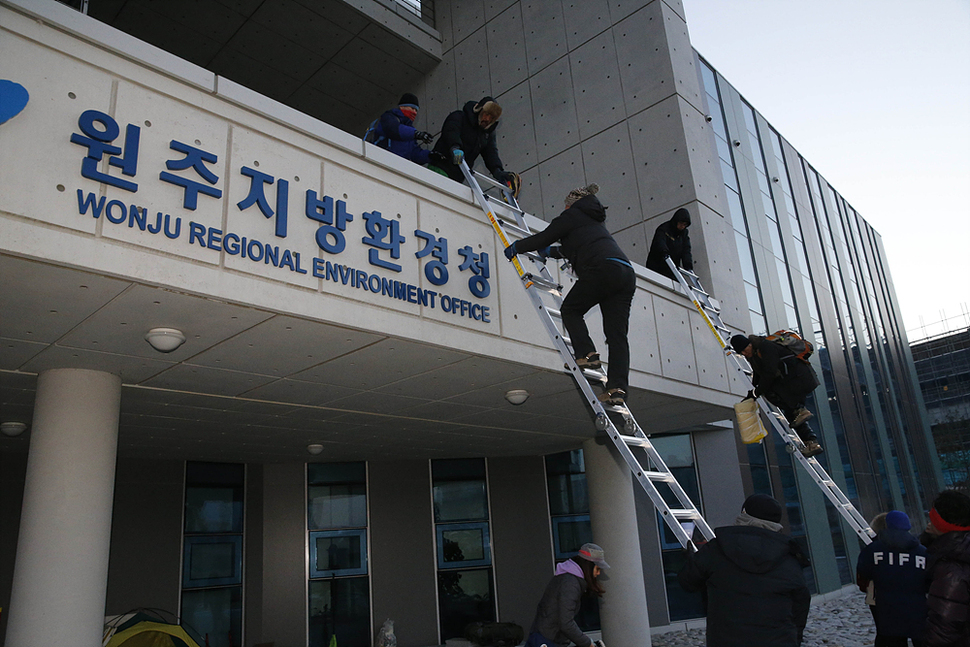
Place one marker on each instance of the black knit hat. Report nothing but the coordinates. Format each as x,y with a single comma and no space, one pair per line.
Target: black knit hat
762,506
739,343
408,99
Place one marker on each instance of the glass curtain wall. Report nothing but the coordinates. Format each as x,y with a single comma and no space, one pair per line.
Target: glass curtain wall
466,589
212,552
339,586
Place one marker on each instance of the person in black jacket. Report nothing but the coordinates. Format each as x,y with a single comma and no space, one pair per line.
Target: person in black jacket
752,574
784,380
606,278
948,566
896,563
466,134
671,239
555,621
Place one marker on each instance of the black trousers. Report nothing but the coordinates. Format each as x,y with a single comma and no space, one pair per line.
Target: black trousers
612,287
790,403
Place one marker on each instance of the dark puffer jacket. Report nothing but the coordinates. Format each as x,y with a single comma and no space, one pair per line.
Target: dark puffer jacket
756,593
399,131
672,242
896,562
461,130
948,603
556,614
584,239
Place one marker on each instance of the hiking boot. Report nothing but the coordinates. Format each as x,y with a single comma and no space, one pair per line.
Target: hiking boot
801,415
811,448
590,361
615,397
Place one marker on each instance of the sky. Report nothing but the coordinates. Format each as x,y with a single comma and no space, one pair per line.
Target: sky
875,94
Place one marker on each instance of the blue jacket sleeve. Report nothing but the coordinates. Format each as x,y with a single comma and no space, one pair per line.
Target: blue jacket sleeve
392,128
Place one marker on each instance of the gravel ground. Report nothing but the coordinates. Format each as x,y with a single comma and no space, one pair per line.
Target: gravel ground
842,622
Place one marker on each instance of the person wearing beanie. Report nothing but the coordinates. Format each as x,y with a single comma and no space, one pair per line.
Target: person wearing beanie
606,277
555,620
784,380
754,579
948,568
395,131
466,134
895,564
671,239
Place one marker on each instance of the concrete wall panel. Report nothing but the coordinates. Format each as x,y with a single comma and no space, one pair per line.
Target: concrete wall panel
515,135
402,555
643,60
558,176
438,95
584,20
596,85
545,33
471,68
466,18
495,7
720,476
507,59
660,153
644,344
712,371
554,110
681,56
676,351
521,539
620,9
608,161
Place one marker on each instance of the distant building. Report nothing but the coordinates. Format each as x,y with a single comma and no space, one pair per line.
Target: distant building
325,442
943,366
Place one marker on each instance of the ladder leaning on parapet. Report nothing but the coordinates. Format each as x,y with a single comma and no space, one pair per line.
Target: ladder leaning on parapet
541,284
705,305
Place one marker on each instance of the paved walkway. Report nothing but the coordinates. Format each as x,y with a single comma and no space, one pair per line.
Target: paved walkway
839,622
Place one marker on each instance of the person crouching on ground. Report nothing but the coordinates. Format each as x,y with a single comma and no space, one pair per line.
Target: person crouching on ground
784,380
752,574
606,278
555,621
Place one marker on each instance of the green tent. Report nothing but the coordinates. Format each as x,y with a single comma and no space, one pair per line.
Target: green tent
145,628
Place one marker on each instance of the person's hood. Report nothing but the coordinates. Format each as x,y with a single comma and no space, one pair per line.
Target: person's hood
897,539
570,567
471,110
681,215
591,206
754,550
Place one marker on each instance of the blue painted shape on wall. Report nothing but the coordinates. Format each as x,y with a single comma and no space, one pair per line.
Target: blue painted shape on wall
13,99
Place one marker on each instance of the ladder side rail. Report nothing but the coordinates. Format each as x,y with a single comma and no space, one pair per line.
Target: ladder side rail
668,514
814,468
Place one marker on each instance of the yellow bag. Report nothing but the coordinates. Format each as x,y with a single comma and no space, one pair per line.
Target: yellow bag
749,421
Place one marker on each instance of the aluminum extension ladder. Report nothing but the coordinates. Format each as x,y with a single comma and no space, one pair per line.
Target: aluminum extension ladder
712,315
540,284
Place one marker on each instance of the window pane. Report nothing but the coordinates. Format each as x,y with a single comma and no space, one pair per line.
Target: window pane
464,596
216,613
331,473
340,607
460,501
568,494
680,604
337,553
337,506
570,535
213,509
459,469
463,545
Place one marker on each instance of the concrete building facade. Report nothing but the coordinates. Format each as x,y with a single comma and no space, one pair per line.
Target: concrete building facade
331,445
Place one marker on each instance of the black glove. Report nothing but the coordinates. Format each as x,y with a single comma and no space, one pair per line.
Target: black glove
503,177
437,158
423,137
510,252
750,396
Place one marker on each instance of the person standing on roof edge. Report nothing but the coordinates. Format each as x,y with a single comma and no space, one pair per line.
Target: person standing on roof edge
784,380
466,134
606,277
395,131
671,239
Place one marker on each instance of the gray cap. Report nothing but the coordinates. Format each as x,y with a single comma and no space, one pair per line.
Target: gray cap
593,553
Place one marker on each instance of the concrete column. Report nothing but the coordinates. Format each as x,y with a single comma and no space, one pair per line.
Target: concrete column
61,570
612,511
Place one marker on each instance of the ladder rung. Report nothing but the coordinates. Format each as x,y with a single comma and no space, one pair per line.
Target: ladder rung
541,282
636,441
504,204
660,477
489,180
511,226
685,513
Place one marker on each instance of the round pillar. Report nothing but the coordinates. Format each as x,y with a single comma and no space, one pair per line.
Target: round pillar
61,570
613,516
